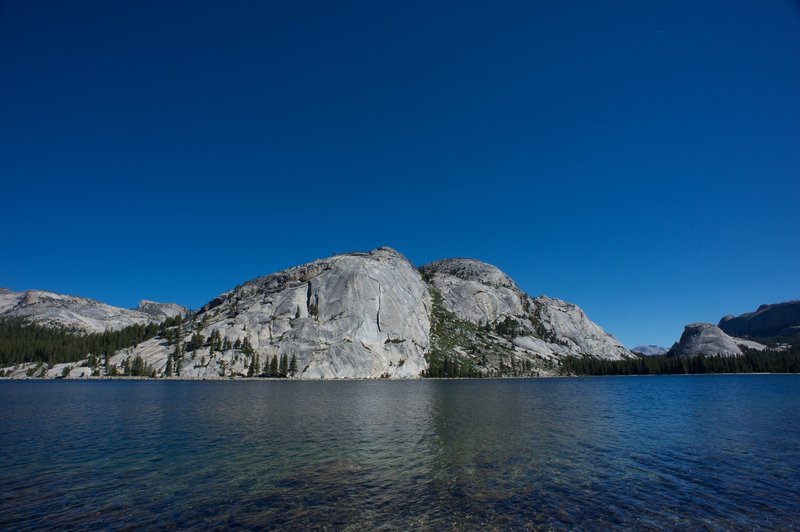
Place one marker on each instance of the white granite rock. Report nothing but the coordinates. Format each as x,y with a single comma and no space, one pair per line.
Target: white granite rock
80,314
705,339
355,315
482,294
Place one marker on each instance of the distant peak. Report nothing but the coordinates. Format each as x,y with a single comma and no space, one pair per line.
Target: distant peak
699,325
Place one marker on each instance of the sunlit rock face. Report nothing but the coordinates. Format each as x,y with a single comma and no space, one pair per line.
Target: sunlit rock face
355,315
161,311
79,314
475,291
705,339
549,328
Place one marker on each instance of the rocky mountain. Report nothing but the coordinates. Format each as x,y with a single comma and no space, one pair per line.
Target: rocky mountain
79,314
371,315
536,331
708,339
705,339
780,320
650,350
768,321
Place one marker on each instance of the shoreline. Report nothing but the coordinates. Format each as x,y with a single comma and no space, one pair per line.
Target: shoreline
368,379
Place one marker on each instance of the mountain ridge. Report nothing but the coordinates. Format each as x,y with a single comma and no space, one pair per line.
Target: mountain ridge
80,314
371,315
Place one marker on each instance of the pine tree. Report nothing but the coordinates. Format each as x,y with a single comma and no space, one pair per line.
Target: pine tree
293,365
215,342
168,371
284,366
197,341
255,369
273,366
247,348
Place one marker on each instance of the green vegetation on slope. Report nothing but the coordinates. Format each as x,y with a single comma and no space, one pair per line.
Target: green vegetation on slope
449,333
463,349
22,342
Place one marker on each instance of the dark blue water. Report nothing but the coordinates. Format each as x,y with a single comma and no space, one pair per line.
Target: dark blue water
716,452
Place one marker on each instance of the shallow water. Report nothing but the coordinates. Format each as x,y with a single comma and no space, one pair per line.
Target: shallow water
716,452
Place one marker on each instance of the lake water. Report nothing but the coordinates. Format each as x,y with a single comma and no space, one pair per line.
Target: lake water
718,452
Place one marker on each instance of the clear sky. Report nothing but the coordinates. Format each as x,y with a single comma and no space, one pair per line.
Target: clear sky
640,159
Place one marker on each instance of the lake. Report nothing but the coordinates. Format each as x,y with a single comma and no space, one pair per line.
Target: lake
717,451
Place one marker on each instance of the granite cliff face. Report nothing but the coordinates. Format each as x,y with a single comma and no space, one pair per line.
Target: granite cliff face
768,321
353,315
370,315
79,314
705,339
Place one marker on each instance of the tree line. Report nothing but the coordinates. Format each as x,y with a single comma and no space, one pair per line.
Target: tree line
22,342
752,361
447,367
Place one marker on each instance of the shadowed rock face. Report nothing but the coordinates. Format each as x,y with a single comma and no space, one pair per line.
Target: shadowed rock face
705,339
80,314
780,319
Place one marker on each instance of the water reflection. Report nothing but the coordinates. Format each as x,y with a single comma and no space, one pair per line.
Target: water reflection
564,453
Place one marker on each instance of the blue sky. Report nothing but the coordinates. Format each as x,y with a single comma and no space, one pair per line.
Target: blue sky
640,159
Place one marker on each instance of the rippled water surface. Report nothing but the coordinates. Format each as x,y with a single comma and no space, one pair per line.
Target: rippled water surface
716,452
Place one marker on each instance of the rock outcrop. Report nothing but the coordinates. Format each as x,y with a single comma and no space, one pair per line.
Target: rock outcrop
537,332
356,315
705,339
161,311
79,314
768,321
